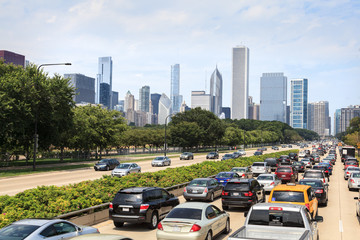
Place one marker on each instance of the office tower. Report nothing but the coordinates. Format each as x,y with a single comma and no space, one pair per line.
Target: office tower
121,105
273,97
136,105
11,57
200,99
104,82
164,108
240,82
84,88
288,111
155,97
299,102
337,121
129,102
256,113
347,114
318,118
226,111
144,98
175,97
216,92
251,107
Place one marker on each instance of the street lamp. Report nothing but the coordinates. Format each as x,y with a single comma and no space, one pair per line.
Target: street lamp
36,136
165,134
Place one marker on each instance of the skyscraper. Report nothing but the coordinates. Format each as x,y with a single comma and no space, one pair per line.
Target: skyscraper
129,101
84,88
115,99
155,97
299,102
240,82
175,97
164,108
216,92
318,118
337,121
200,99
347,114
11,57
104,82
273,97
144,99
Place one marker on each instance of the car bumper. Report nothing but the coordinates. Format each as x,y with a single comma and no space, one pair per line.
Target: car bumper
268,188
97,168
237,203
195,195
118,174
353,185
157,164
321,198
128,218
167,235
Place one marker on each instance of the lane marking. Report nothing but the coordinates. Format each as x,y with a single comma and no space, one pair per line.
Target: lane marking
341,229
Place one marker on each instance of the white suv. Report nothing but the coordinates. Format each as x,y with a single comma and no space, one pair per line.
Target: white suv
259,168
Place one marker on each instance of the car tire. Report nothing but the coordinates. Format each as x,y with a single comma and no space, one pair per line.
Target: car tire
264,197
211,199
208,236
225,207
227,226
139,171
187,199
107,168
326,202
118,224
154,220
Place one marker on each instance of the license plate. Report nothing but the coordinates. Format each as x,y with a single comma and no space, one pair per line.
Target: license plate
283,175
194,191
221,180
125,209
176,229
236,194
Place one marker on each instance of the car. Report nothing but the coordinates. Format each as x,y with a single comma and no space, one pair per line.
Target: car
283,146
243,192
260,167
316,158
94,236
275,148
227,156
124,169
161,161
350,164
323,168
284,158
106,164
236,154
244,172
306,162
302,154
37,229
203,189
293,156
321,189
299,166
357,205
242,152
269,181
328,165
258,153
289,146
286,174
316,174
186,156
212,155
354,181
349,170
272,163
141,205
193,220
295,194
224,177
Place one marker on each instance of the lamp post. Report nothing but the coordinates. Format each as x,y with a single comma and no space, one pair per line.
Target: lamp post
36,136
165,144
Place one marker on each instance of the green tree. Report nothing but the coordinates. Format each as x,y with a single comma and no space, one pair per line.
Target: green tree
186,134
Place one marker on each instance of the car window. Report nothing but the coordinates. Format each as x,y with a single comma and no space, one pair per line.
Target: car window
198,183
157,194
287,196
63,227
13,231
216,210
164,194
214,183
265,178
49,232
285,170
313,175
276,218
237,186
130,197
310,196
187,213
210,213
224,175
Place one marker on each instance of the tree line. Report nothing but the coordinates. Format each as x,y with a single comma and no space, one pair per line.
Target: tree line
352,134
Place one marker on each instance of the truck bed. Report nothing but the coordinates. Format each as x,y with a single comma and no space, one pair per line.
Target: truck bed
267,233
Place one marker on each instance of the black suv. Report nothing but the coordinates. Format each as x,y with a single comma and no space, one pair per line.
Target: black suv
106,164
242,193
272,162
293,156
141,204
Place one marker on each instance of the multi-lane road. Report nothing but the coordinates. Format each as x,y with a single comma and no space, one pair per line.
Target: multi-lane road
340,220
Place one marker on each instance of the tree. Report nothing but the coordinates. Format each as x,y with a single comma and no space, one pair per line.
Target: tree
308,135
186,134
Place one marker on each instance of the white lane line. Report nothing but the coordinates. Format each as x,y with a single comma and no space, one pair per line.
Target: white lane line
341,229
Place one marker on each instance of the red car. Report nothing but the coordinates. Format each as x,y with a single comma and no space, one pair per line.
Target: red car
350,164
286,173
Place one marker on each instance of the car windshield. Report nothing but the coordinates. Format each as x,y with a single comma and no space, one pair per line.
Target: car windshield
159,158
353,169
311,183
228,155
128,197
238,170
258,164
123,166
355,175
287,170
199,183
187,213
287,196
17,231
212,153
224,175
276,218
265,178
237,186
104,161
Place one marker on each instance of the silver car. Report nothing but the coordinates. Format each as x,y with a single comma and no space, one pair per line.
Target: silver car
39,229
350,170
354,181
101,236
244,172
357,205
125,169
269,181
161,161
193,220
203,189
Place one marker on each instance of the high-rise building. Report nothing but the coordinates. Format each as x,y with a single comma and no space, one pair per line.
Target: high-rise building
115,99
337,121
11,57
84,88
129,102
216,92
299,102
144,98
288,111
200,99
318,118
240,82
273,97
175,97
164,108
347,114
253,109
104,82
226,111
155,97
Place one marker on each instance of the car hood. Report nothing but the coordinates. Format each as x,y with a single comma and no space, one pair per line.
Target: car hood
120,170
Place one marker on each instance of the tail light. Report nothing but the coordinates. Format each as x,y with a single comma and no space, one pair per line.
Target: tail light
319,191
272,183
248,194
111,206
324,180
225,193
160,227
352,181
275,208
144,206
184,189
195,228
308,206
326,171
347,173
206,190
243,175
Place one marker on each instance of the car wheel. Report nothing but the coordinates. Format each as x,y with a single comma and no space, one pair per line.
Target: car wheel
107,168
118,224
225,207
187,199
208,236
211,197
264,196
326,202
154,221
227,226
139,171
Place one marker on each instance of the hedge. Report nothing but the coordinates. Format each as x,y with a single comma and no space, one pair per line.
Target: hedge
51,201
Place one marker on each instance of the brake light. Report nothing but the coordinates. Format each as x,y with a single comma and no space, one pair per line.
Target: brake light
206,190
347,173
225,193
324,180
308,206
352,181
144,206
248,194
111,206
319,191
326,171
160,227
243,175
275,208
272,183
184,189
195,228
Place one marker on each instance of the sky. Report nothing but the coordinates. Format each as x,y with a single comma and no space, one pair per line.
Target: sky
318,40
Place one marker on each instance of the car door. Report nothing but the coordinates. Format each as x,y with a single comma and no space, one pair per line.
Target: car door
221,218
217,187
312,201
257,189
212,220
165,202
63,230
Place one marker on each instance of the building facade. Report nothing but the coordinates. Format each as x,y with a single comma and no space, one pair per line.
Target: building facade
227,112
347,114
11,57
299,103
318,118
164,108
273,97
200,99
115,99
216,85
240,82
84,88
337,121
104,82
144,99
175,97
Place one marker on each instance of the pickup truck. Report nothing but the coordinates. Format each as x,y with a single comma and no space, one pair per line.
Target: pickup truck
278,221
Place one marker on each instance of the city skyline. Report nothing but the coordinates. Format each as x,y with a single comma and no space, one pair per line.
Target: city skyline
314,40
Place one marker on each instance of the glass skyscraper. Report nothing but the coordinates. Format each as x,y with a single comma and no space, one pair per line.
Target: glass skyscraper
84,88
175,97
104,82
273,97
216,92
144,99
299,103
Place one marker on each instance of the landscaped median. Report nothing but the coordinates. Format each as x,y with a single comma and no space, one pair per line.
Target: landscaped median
51,201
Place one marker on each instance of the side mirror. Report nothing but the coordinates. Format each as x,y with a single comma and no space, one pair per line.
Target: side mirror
319,219
172,195
79,229
262,185
246,213
356,198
